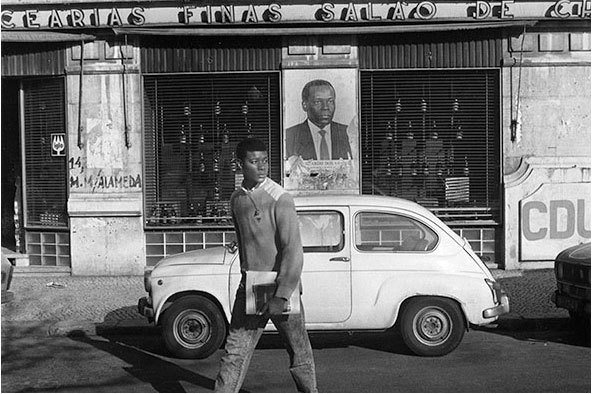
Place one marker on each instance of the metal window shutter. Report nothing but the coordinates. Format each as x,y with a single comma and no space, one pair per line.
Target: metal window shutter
193,124
178,54
46,175
433,137
29,59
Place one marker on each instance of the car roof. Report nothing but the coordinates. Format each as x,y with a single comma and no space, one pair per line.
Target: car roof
360,200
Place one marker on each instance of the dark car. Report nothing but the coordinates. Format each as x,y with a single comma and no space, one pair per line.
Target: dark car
7,269
572,271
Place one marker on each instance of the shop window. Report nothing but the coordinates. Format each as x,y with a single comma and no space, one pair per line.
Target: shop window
433,137
193,124
382,232
45,153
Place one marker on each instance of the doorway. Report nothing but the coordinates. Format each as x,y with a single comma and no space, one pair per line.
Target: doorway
12,234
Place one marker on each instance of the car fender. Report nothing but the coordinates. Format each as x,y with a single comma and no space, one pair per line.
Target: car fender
470,291
214,287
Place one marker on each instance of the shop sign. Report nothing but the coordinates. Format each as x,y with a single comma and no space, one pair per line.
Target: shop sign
193,13
553,218
58,144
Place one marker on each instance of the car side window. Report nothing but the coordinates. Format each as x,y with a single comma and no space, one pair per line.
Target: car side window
321,231
377,231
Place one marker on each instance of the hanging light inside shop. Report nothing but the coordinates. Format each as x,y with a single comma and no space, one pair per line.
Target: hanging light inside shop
409,131
216,166
202,162
225,136
466,169
389,131
202,137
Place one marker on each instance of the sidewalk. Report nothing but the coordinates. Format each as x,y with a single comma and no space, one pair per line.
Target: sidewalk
65,305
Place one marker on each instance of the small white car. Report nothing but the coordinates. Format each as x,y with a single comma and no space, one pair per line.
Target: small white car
369,262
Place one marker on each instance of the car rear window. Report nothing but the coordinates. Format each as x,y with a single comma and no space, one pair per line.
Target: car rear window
387,232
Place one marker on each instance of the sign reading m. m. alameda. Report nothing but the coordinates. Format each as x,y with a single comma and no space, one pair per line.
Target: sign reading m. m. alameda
191,13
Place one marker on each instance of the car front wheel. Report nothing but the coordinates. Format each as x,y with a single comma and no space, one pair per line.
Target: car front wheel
193,327
432,326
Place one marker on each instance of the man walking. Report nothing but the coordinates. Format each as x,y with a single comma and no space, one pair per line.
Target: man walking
269,240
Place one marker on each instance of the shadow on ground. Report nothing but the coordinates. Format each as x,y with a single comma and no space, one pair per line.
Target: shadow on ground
141,353
558,330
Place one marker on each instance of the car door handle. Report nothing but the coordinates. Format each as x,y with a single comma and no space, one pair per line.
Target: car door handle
342,259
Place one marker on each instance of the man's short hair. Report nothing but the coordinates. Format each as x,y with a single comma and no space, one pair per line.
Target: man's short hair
249,145
315,82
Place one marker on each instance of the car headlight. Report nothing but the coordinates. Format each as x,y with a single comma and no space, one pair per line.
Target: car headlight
559,270
147,275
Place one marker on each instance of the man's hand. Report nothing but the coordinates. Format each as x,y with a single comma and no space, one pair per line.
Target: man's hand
275,306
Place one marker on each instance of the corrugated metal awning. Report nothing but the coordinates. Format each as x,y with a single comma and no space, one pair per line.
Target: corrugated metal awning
43,36
243,30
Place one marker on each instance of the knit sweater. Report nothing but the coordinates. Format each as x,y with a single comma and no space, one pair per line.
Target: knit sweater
268,234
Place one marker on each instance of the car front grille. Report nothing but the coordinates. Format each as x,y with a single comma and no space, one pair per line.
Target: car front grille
574,291
573,273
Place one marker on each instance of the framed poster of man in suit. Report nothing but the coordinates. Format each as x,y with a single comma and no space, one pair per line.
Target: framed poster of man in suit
321,131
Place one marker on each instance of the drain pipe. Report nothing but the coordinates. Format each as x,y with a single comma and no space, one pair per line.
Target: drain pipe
80,95
125,122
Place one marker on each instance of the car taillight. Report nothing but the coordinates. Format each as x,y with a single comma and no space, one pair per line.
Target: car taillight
495,288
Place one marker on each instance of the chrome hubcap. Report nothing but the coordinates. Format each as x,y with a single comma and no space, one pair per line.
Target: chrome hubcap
192,329
432,326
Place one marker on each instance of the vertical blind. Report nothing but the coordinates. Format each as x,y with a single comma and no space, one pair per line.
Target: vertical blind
432,136
193,124
46,175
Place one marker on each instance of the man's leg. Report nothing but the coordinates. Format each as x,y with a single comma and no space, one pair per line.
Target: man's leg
243,335
291,329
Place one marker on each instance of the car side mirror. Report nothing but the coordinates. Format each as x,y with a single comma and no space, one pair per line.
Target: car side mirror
232,247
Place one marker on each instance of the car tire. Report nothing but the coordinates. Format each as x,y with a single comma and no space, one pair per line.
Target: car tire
193,327
432,326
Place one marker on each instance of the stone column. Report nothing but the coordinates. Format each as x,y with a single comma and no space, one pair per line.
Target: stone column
105,160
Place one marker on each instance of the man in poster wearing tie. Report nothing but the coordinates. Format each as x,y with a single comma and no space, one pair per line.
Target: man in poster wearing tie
318,137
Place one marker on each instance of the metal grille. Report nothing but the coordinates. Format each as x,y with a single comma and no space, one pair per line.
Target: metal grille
46,175
193,124
433,137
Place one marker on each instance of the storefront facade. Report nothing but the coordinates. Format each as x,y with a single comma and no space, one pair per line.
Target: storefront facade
126,122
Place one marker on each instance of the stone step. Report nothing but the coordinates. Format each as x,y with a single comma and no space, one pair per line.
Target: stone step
41,270
17,259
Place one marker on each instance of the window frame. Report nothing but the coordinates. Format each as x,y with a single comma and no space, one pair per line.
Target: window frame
411,218
325,249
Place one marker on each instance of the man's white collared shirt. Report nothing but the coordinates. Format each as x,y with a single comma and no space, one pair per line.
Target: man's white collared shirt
316,137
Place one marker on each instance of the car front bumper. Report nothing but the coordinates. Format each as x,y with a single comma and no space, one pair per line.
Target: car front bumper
565,301
500,309
145,308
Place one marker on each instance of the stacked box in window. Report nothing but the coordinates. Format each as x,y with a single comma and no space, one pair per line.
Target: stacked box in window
457,189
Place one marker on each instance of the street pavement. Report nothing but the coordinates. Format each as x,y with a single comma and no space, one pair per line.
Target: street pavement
57,305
